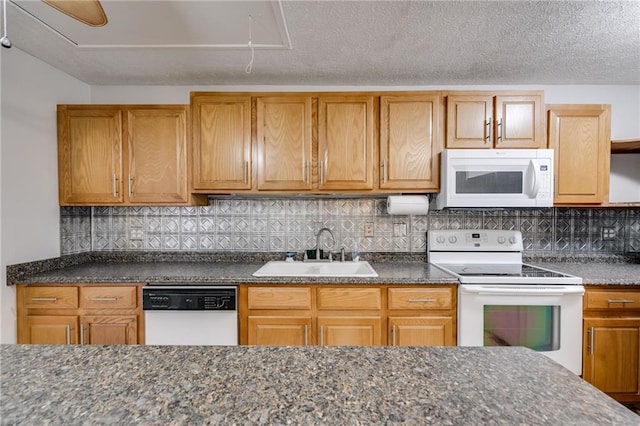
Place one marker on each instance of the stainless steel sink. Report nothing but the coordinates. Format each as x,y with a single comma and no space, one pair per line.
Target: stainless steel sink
278,268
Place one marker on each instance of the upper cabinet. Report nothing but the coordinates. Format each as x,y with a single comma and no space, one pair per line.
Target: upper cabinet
316,142
221,141
581,138
410,141
345,142
89,155
284,142
487,120
132,155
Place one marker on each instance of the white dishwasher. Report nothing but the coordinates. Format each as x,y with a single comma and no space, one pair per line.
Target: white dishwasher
190,315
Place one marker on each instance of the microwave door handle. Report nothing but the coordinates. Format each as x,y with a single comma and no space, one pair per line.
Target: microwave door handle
535,166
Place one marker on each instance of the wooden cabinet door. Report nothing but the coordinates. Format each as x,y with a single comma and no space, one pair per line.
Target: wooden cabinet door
90,155
580,136
469,121
109,330
410,141
156,154
284,143
350,330
221,141
50,330
519,121
279,330
612,356
345,142
421,331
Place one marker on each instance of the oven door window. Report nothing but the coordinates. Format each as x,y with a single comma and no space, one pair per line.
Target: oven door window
535,327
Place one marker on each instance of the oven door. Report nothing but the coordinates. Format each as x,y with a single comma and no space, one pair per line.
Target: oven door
545,318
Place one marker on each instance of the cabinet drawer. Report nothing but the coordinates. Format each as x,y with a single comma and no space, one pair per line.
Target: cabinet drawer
614,300
108,297
279,298
50,297
420,298
349,298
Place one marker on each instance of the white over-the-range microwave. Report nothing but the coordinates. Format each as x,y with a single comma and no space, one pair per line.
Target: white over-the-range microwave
496,178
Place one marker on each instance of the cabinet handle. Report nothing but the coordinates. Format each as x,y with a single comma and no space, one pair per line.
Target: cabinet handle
590,348
44,299
621,301
320,172
393,335
115,185
245,175
82,334
104,299
130,186
384,171
488,138
423,299
500,129
306,335
304,172
68,334
321,335
308,173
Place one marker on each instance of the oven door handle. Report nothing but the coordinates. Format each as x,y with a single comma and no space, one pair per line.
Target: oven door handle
521,291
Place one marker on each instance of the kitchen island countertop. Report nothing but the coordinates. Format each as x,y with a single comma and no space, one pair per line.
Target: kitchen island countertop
307,385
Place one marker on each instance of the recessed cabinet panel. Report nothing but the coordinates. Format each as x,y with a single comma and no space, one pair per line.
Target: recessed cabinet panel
581,138
221,141
409,141
279,330
90,155
350,331
519,122
157,155
51,330
421,331
284,143
345,142
469,121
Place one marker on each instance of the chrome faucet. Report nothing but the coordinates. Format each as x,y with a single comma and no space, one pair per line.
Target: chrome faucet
318,242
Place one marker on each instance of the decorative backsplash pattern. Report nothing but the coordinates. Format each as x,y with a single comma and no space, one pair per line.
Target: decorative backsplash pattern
291,224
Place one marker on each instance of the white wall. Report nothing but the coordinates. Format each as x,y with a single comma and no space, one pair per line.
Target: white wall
30,216
624,100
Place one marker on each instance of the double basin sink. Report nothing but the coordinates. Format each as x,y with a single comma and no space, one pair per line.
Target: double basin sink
278,268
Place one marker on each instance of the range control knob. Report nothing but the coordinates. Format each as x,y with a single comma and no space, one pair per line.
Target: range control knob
440,239
512,240
501,240
453,239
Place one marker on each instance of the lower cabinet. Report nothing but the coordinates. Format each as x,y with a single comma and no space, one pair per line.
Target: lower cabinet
48,329
350,331
421,331
278,330
84,314
611,336
354,315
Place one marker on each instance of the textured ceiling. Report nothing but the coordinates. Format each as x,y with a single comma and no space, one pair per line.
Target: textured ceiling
379,43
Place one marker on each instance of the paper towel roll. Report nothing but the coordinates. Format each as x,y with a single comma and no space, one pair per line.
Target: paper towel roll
408,204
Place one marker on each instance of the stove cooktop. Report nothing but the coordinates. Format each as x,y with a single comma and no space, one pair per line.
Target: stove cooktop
506,273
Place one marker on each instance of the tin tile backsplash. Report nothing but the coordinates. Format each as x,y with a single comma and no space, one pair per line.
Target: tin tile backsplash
291,224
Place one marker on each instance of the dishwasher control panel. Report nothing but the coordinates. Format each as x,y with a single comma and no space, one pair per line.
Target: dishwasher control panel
189,298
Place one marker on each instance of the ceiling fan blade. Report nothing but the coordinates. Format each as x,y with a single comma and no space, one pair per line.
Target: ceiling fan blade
89,12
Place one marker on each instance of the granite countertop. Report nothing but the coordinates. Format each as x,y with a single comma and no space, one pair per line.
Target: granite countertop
306,385
599,273
235,268
220,273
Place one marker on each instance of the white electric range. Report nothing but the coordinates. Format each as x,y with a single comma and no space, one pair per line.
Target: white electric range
505,302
